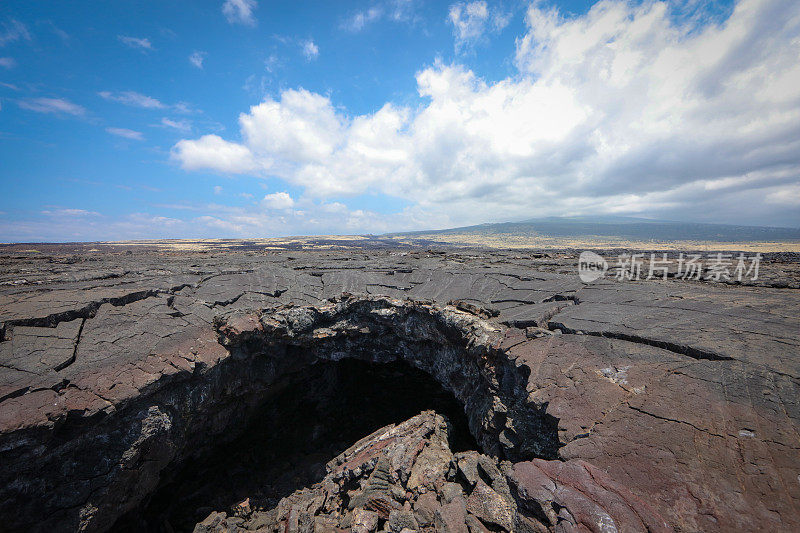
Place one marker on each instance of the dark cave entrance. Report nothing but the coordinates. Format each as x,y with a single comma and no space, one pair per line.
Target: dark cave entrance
309,418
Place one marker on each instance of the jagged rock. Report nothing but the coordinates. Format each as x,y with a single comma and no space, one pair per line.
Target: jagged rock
377,487
425,508
364,521
451,491
490,507
117,370
451,517
431,465
322,524
369,463
219,523
474,525
402,520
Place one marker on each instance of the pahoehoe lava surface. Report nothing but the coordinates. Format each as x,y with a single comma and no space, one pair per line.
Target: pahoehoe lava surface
372,390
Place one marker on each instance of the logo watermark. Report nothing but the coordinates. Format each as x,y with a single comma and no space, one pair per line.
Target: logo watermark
591,266
636,267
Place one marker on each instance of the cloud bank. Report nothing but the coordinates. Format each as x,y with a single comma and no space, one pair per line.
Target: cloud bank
621,110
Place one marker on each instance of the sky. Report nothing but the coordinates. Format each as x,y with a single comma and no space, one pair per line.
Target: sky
249,118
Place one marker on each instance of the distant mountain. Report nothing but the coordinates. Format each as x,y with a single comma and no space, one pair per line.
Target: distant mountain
625,228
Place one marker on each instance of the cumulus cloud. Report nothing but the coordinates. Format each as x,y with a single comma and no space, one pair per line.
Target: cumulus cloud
310,50
142,44
473,20
278,200
52,105
133,99
212,152
197,58
126,133
240,11
7,62
621,110
302,126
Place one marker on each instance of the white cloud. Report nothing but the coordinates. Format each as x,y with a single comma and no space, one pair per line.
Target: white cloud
70,213
472,20
788,195
142,44
184,107
271,63
197,58
616,111
126,133
212,152
180,125
7,62
310,50
278,200
52,105
360,19
401,10
304,217
240,11
13,30
217,189
393,10
133,99
303,126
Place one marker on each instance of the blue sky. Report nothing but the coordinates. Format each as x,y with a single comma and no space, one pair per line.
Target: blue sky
244,118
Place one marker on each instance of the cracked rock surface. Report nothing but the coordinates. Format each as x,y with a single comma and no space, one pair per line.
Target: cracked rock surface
613,406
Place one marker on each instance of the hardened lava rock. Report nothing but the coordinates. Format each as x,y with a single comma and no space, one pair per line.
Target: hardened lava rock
405,478
607,406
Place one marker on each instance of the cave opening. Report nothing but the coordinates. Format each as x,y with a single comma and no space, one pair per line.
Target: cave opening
308,418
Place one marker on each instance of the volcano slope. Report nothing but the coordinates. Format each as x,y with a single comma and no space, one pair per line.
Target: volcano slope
373,390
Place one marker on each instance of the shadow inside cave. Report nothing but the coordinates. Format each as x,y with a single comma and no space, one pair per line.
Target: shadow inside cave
307,419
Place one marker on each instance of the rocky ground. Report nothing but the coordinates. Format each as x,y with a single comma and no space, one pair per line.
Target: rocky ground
154,389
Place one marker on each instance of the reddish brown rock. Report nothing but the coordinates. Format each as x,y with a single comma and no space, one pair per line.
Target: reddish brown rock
576,494
114,369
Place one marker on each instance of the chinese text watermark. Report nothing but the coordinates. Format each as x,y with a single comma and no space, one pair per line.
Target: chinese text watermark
639,266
